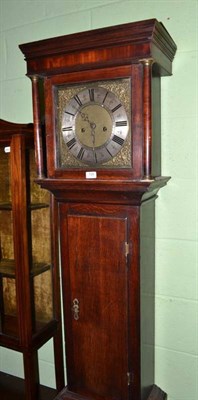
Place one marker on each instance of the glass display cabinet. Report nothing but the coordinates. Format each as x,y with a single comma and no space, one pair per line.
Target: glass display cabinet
29,282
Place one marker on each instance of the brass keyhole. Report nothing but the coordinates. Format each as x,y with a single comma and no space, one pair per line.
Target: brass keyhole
75,309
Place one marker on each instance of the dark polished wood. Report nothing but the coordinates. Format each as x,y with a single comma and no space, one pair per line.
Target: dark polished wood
147,107
37,127
106,226
21,329
115,45
155,394
107,53
13,388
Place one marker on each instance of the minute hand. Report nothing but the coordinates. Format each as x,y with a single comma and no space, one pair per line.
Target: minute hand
93,134
92,125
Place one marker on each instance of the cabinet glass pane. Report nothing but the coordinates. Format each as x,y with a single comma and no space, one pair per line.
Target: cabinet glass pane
6,234
8,310
41,266
5,192
41,270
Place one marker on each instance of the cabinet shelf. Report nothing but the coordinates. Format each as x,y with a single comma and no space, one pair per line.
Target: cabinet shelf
38,206
7,268
33,206
39,268
10,326
6,206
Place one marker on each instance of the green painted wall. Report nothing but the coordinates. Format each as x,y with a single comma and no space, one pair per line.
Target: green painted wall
176,239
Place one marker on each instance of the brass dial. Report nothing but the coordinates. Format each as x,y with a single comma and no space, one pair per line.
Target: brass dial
94,125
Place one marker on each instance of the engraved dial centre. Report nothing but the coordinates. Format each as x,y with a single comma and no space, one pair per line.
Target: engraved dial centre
93,125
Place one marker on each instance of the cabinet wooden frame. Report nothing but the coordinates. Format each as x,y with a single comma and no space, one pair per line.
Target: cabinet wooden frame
20,331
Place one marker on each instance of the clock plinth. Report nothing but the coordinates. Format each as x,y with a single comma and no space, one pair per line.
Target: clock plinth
155,394
103,166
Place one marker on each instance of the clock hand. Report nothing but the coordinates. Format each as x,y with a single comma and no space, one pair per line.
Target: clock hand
85,117
93,135
92,125
93,138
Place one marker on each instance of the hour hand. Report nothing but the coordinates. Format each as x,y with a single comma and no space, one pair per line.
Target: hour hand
84,117
93,137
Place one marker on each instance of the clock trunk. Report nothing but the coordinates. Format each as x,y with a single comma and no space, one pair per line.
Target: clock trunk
101,322
108,296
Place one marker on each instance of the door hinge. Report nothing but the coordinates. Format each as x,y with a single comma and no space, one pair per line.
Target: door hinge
126,249
129,378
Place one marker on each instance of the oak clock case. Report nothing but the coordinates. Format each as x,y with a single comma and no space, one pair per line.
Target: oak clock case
102,115
93,125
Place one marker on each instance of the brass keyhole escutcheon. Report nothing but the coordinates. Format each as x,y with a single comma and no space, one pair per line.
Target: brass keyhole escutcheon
75,309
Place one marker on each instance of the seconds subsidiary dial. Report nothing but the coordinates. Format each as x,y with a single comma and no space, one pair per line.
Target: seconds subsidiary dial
94,125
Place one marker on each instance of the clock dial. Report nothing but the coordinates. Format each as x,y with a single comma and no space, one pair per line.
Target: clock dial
94,125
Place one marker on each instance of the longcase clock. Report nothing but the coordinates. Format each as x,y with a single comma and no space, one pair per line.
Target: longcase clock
102,136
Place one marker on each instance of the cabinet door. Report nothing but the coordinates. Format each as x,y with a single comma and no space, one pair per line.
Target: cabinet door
94,265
